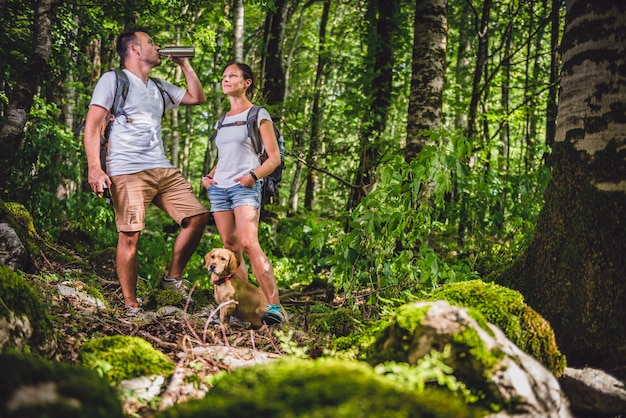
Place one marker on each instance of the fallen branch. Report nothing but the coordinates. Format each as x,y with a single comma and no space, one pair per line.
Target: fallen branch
172,391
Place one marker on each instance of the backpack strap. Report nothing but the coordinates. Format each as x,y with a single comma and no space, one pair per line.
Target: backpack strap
253,129
220,122
121,91
159,84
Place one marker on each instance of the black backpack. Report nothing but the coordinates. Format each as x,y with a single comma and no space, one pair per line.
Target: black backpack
117,109
271,182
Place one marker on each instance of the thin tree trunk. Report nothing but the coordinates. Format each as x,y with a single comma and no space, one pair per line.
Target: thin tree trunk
382,27
22,95
555,30
481,61
238,29
315,143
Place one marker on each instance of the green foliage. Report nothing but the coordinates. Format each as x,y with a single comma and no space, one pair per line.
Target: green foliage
122,357
430,369
44,168
320,388
57,390
303,247
387,247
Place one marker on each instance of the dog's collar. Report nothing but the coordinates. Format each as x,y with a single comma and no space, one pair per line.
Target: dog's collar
221,280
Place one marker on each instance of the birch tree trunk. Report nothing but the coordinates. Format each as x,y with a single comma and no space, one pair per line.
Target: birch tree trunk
574,271
430,34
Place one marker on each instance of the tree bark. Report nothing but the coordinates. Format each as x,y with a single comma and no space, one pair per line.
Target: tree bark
274,73
22,95
382,27
482,31
574,270
430,33
238,29
315,144
551,110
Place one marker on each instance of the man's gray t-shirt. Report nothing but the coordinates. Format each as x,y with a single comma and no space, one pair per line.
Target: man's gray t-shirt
135,142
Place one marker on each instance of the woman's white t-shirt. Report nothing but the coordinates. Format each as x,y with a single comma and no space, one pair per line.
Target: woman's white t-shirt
235,152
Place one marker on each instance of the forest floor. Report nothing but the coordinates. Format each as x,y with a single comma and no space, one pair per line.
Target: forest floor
187,337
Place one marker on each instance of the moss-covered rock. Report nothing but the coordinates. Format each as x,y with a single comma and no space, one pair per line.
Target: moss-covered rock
411,337
321,388
32,387
340,322
169,298
24,321
122,357
506,309
497,373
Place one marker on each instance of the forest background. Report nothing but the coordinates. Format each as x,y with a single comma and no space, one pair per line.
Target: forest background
418,132
357,205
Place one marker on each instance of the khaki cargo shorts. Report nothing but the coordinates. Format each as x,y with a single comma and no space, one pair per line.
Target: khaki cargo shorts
165,187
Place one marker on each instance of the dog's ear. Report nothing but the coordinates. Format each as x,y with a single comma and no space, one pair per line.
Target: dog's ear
233,262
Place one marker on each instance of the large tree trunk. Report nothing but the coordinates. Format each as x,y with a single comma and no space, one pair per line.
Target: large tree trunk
21,98
574,271
430,34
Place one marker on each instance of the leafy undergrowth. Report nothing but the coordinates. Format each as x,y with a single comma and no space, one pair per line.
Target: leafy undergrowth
181,335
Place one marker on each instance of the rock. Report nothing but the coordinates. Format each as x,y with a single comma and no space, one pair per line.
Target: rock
594,392
12,252
481,356
235,357
32,387
67,290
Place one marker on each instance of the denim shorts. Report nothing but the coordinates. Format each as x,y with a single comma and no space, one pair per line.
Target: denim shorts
223,199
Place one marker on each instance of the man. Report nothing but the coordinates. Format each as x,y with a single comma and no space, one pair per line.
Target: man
138,172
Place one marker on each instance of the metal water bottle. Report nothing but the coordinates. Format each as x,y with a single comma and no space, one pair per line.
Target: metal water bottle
178,51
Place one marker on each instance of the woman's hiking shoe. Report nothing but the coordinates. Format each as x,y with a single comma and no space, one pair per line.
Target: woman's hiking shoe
274,315
132,310
177,285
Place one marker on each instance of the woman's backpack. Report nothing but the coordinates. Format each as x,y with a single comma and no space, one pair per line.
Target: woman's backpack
271,182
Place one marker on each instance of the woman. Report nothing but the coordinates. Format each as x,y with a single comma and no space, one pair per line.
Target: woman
234,184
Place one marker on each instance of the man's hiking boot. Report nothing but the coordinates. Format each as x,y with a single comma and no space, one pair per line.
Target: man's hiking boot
177,285
132,310
274,315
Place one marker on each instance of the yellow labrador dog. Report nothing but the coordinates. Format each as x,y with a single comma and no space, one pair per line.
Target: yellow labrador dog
251,301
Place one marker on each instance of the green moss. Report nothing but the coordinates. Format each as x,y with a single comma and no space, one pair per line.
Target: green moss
321,388
506,309
22,215
55,390
169,298
122,357
340,322
18,298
